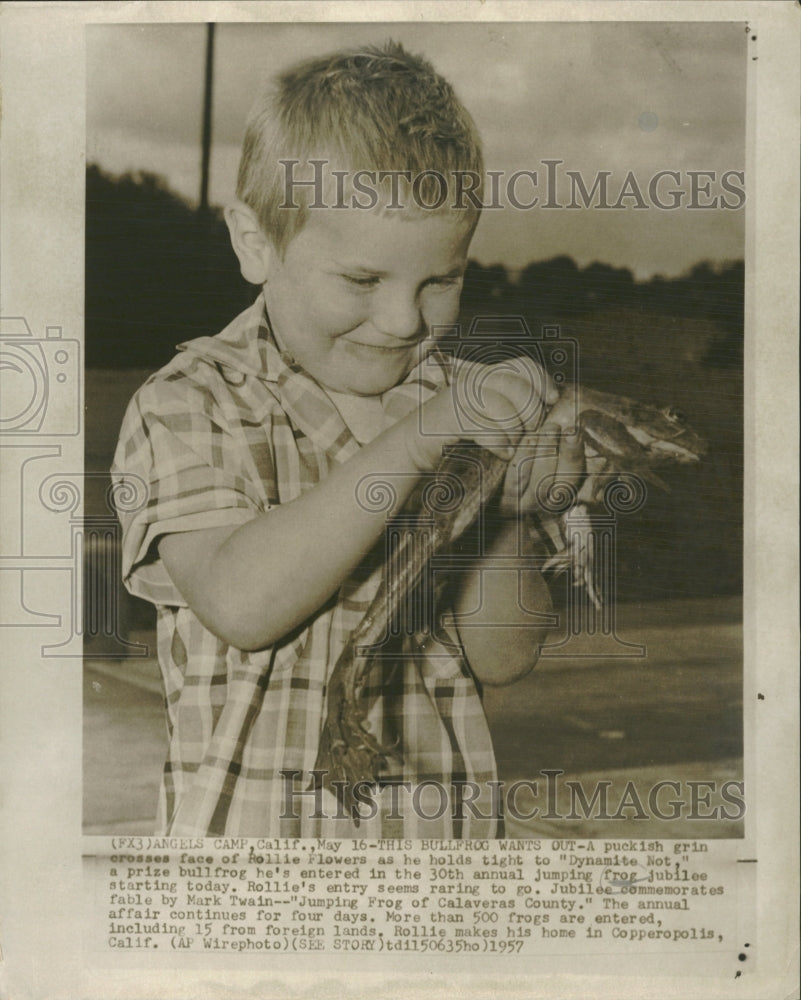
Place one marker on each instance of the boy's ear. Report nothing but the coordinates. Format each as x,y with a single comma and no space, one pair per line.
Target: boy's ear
251,246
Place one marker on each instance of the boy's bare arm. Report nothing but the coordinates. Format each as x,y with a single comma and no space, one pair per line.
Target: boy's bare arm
500,595
503,592
254,583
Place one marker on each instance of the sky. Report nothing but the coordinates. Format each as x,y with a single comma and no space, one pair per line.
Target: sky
619,97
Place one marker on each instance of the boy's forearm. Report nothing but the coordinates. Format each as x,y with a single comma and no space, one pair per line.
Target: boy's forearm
502,594
258,582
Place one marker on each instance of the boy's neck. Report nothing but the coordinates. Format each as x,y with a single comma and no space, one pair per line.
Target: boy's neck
363,415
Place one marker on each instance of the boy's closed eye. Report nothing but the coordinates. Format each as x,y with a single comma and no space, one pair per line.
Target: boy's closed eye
447,280
373,280
362,280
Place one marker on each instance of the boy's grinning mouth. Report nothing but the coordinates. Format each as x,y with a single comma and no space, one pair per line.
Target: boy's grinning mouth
391,348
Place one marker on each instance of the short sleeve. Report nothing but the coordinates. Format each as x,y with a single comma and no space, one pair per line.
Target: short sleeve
191,468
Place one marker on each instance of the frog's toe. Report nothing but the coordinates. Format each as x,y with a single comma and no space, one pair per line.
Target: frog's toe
558,563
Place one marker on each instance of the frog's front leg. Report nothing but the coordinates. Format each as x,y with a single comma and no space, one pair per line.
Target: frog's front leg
604,441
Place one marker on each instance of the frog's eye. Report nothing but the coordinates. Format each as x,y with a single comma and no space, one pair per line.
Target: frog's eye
675,416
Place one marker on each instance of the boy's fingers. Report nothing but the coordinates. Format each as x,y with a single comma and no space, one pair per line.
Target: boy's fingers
541,465
540,391
558,459
511,395
500,445
526,385
563,412
572,463
552,394
523,473
539,381
503,451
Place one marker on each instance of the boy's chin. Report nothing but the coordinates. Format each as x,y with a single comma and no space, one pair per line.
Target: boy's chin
361,387
357,382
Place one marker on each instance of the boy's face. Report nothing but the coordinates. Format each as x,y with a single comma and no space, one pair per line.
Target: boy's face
357,292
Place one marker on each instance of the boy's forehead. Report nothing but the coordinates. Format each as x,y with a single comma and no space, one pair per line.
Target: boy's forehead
388,235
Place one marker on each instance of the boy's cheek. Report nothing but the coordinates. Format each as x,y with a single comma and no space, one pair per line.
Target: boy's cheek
443,310
331,309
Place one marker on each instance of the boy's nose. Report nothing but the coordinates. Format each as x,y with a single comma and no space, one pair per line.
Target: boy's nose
397,314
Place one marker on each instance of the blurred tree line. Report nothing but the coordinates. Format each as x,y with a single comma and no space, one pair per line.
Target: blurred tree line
159,272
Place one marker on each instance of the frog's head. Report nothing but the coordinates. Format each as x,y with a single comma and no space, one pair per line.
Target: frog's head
666,434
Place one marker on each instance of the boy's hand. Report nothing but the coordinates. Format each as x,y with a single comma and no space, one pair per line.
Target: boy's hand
493,405
555,459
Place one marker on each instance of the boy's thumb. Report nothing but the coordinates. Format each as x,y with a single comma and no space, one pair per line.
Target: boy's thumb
571,456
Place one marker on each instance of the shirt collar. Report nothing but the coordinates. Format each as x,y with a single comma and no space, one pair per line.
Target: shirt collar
246,345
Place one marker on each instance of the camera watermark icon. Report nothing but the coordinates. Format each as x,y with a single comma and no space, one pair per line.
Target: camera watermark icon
96,586
40,381
52,523
494,353
92,606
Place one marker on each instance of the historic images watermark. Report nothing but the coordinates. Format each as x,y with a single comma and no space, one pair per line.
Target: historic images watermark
552,185
668,799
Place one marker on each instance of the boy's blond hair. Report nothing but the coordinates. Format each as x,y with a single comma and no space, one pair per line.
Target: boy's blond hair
375,109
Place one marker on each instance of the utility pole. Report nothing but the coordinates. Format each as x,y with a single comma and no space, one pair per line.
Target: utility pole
207,96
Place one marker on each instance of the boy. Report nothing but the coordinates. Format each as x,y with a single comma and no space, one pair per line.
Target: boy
254,443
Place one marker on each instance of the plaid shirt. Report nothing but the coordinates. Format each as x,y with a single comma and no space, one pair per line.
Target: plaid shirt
227,430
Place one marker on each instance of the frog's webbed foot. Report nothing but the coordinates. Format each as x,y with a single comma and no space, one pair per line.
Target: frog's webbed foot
577,552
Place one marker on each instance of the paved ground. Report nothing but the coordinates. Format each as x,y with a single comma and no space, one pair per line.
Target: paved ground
675,714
